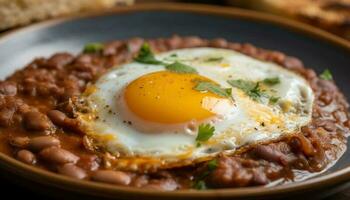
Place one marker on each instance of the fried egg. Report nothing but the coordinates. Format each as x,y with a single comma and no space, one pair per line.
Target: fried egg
148,116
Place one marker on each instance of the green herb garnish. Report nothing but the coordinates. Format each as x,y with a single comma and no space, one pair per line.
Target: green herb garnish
271,81
181,68
200,185
214,59
256,92
212,165
251,88
212,87
205,131
273,99
146,56
326,75
93,47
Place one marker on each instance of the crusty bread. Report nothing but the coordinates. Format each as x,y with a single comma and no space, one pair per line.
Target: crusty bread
332,15
19,12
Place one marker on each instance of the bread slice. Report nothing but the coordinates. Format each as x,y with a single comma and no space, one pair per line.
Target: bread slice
332,15
19,12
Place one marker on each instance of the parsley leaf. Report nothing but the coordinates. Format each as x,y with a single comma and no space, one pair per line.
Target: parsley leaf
212,165
214,59
146,56
273,99
326,75
242,84
200,185
93,47
255,93
205,131
181,68
251,88
214,88
272,81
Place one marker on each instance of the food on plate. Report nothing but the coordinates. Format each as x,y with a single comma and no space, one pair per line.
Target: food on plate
174,113
331,15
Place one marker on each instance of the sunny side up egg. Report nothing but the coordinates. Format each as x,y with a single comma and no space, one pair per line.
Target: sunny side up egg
150,116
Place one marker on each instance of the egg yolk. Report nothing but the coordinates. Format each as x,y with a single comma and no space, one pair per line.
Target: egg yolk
168,97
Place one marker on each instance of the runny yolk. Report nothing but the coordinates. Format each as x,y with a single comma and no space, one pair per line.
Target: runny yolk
167,97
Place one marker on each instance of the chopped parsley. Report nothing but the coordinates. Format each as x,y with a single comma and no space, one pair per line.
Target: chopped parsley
212,87
273,99
256,92
205,131
214,59
146,56
271,81
251,88
180,68
93,47
199,183
326,75
212,165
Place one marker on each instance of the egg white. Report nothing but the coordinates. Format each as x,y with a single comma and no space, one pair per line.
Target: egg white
246,122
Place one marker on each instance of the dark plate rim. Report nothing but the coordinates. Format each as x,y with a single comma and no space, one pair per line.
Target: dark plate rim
100,189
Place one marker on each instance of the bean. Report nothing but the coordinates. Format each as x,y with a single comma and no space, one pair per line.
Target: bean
340,116
58,60
174,42
326,124
72,170
249,49
36,121
162,184
57,117
327,86
192,41
259,177
326,97
310,74
347,123
42,142
112,48
20,142
26,157
270,154
60,119
234,46
58,155
293,63
134,44
113,177
8,88
89,162
276,57
6,116
140,181
219,43
230,173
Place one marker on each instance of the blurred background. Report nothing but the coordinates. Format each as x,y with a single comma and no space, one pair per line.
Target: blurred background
331,15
